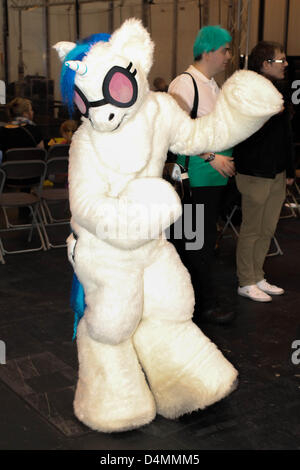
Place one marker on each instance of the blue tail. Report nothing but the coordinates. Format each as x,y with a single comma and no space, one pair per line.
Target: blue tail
77,302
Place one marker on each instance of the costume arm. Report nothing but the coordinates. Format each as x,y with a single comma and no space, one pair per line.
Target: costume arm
139,213
246,101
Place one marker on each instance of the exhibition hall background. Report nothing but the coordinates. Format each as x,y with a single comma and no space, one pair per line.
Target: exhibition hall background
31,27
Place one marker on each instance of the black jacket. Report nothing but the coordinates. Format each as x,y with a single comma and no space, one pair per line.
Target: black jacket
18,137
270,150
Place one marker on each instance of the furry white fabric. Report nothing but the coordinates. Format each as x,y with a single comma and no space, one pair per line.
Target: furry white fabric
139,296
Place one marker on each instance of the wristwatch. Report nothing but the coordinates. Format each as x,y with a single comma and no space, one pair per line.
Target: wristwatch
210,157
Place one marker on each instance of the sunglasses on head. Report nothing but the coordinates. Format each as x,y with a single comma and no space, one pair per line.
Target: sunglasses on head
119,89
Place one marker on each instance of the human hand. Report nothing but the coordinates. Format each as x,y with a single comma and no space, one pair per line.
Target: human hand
290,181
224,165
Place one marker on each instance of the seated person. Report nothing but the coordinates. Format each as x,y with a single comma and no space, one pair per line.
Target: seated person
66,131
20,131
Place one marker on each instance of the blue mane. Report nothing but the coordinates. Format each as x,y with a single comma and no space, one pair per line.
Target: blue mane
67,76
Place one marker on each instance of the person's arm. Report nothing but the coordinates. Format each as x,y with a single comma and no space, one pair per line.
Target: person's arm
290,181
224,165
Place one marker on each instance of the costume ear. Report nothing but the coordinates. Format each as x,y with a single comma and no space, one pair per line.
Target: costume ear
63,48
133,41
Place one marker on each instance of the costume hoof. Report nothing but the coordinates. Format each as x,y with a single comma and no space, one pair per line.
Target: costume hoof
119,423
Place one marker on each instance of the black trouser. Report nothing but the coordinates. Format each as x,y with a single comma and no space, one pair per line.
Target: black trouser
199,262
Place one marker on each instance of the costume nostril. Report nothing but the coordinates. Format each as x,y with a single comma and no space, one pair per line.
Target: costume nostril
111,116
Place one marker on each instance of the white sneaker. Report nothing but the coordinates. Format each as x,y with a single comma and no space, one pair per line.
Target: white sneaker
254,293
269,289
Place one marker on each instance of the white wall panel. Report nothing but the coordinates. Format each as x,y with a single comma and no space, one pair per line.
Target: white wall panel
62,27
95,17
274,25
2,72
293,45
161,27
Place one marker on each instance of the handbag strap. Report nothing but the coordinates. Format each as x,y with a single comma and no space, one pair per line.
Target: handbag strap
194,110
193,113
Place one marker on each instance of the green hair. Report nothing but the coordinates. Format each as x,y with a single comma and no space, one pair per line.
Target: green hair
210,38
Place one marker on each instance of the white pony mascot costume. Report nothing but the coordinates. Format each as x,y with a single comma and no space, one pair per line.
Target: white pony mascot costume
139,351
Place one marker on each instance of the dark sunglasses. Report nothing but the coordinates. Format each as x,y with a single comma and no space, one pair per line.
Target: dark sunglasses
119,89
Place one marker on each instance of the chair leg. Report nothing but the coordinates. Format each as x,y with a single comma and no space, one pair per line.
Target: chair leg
228,223
291,203
36,223
39,224
7,224
278,250
50,221
43,223
2,260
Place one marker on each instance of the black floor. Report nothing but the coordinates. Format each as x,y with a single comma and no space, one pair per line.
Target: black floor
37,381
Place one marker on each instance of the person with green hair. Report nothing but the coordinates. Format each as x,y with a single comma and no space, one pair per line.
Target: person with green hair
208,175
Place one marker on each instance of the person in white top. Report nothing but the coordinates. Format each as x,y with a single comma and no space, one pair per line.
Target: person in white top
208,176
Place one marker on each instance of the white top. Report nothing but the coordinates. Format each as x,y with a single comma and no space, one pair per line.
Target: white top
182,89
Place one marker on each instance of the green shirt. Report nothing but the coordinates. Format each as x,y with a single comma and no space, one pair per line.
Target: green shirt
202,173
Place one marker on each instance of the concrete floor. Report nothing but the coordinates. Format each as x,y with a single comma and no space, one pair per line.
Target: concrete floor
37,381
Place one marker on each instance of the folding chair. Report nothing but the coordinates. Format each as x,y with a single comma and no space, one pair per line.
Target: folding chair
293,192
55,197
23,171
292,202
26,153
58,150
278,250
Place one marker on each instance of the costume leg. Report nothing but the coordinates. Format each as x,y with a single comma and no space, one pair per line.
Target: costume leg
186,371
112,393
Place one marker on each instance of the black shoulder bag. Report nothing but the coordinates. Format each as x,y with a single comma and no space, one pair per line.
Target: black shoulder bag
175,173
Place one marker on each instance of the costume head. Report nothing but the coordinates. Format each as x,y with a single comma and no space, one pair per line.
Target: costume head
108,76
210,38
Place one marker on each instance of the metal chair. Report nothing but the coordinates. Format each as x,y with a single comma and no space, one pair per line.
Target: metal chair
25,153
55,196
58,150
291,202
22,171
229,223
232,215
